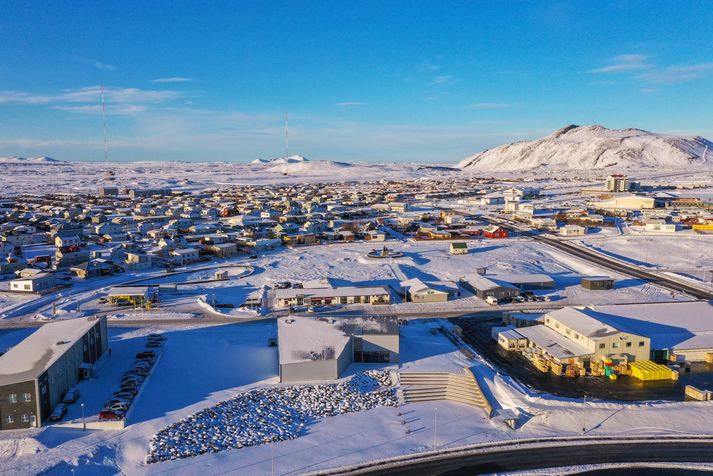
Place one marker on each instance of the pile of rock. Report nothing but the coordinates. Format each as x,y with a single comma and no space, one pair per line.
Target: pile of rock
266,415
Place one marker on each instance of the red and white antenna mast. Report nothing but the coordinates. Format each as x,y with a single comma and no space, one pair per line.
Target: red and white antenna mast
106,143
287,137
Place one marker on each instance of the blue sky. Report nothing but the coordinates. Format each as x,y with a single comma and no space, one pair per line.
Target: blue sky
425,81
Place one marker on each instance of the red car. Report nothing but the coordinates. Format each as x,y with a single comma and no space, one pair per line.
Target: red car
111,415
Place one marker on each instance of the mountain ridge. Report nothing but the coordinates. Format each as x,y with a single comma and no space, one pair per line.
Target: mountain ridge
594,147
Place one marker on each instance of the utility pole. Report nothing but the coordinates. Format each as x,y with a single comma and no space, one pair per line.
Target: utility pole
435,426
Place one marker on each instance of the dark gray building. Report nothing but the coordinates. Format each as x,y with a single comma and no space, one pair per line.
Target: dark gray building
316,348
36,373
484,287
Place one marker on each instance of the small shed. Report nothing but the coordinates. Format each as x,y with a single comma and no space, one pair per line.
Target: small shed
597,283
458,248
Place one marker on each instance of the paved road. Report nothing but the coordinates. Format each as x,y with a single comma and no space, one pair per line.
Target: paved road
604,261
554,453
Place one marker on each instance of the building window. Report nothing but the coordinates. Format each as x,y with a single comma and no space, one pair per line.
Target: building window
628,344
26,397
641,343
10,419
25,418
602,346
615,345
557,325
576,336
12,397
568,331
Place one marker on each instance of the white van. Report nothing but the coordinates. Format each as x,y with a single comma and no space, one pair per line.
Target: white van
492,300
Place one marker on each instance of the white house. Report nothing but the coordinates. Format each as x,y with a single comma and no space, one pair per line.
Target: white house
185,256
35,284
572,230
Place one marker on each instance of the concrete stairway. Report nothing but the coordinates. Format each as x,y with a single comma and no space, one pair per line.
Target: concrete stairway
432,386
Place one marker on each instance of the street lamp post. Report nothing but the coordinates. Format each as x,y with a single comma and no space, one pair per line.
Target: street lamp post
84,421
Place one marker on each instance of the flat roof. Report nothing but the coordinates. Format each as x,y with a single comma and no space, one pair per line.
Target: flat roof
305,339
129,291
673,325
331,292
31,357
582,321
482,283
553,343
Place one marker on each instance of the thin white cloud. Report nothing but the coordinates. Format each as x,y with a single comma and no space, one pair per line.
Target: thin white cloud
677,73
349,104
443,79
97,109
489,105
624,63
91,94
100,65
174,79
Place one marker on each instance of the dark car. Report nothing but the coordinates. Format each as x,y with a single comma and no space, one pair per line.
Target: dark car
59,412
146,354
131,383
71,396
156,337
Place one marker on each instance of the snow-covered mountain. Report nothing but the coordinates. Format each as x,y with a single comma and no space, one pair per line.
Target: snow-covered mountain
298,164
595,147
27,160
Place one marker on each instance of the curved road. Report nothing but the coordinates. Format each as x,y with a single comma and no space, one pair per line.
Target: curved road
541,454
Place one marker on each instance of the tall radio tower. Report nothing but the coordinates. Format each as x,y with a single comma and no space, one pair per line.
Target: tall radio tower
287,146
109,175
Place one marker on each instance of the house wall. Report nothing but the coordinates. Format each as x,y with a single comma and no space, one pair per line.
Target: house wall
429,296
17,410
380,342
310,370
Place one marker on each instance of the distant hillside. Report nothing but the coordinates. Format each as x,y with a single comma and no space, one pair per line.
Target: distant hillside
595,147
298,164
28,160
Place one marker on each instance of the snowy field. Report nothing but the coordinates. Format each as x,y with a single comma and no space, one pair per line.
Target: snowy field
345,265
84,177
685,253
240,360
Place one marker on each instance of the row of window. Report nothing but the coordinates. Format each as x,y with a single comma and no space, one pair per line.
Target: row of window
26,397
11,418
615,345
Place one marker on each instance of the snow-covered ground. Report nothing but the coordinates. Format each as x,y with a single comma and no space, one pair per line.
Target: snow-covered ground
83,177
238,360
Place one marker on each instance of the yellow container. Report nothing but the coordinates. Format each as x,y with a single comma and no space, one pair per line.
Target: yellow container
648,371
612,376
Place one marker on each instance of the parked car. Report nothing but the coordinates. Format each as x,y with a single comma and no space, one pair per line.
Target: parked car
143,364
111,415
124,395
59,412
130,383
71,396
146,354
137,372
156,337
154,344
117,407
129,391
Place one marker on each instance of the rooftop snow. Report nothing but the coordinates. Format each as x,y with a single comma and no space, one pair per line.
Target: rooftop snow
35,354
553,343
